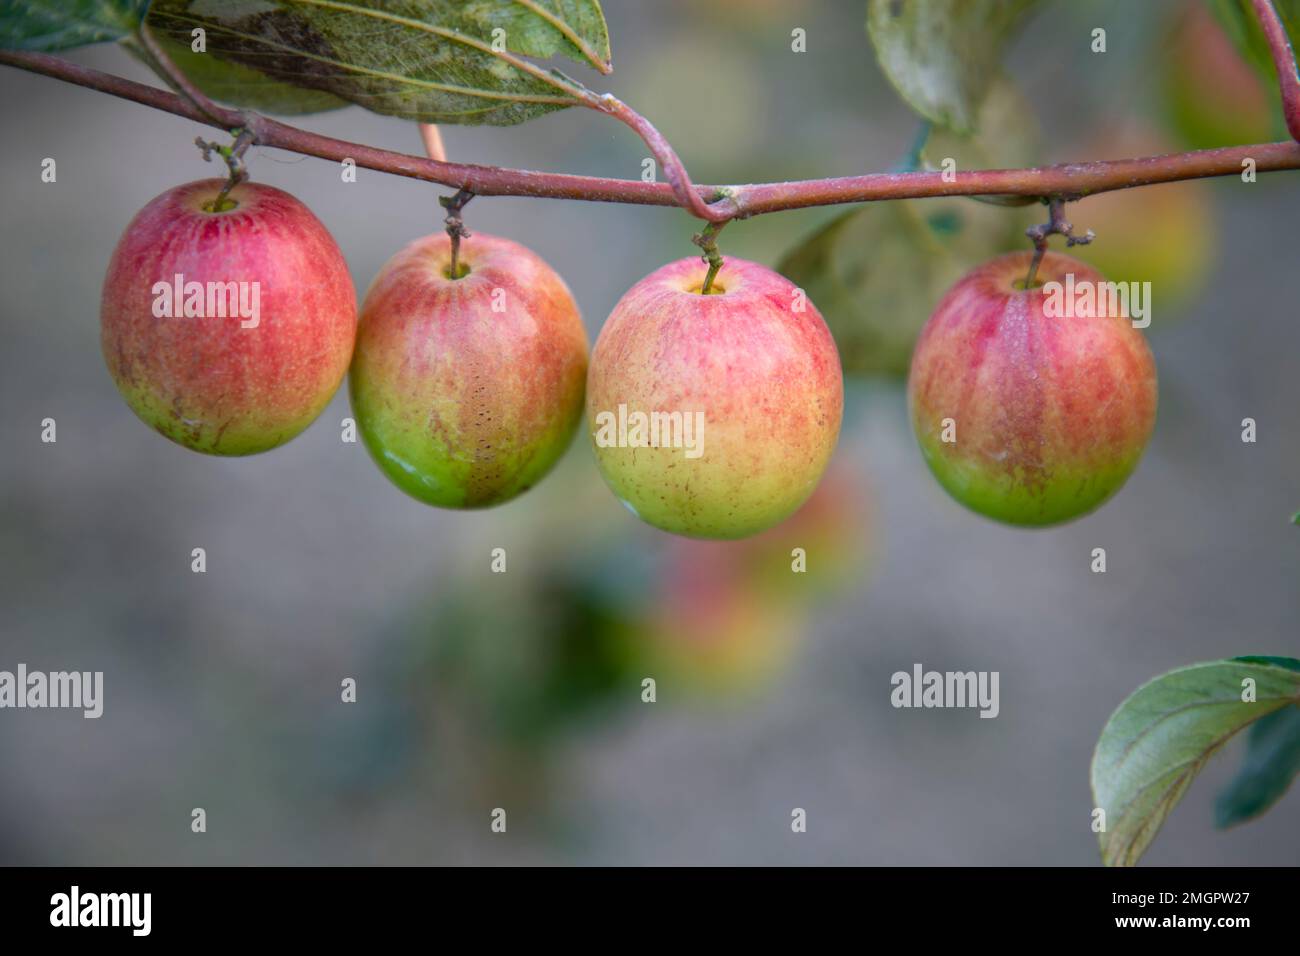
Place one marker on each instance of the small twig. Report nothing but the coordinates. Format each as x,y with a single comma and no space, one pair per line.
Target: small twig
1283,61
1056,225
708,242
455,227
234,157
723,209
175,77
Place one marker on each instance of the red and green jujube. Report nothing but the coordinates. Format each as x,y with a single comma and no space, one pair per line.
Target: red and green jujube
467,390
753,361
184,360
1046,414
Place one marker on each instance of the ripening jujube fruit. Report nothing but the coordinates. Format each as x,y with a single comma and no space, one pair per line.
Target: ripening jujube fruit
227,330
753,360
467,390
1024,415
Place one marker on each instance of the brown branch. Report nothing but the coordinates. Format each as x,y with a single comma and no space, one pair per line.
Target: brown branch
1283,61
1067,181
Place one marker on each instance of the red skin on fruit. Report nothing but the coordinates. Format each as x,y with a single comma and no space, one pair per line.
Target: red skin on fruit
1050,413
756,359
468,390
208,382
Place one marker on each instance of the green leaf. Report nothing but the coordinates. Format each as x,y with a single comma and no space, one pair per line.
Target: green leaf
1158,740
943,55
877,272
50,25
1271,763
436,61
229,82
1290,663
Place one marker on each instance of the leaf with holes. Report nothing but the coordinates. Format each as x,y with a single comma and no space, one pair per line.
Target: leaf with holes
436,61
1158,740
49,25
943,55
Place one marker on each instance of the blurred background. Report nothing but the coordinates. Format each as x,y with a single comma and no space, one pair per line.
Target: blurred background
523,690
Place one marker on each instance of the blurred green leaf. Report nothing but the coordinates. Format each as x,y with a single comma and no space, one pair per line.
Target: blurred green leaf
1271,763
943,55
50,25
437,61
529,665
1241,24
1162,735
877,272
1006,135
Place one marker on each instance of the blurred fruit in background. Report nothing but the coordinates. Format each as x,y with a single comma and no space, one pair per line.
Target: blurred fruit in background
1158,234
726,616
1212,97
876,273
520,662
709,631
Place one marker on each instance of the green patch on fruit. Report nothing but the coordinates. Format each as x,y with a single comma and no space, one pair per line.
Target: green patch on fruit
1016,498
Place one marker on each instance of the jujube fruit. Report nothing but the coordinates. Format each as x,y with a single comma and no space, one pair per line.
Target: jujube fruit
1048,414
227,330
754,359
467,390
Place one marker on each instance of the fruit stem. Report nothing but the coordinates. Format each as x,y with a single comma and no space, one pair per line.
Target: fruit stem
708,242
1056,225
455,228
234,157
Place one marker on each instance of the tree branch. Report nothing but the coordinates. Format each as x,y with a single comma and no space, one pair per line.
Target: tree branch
1284,62
1068,181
